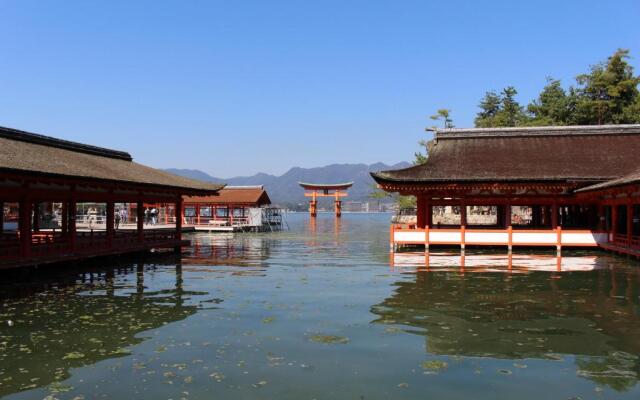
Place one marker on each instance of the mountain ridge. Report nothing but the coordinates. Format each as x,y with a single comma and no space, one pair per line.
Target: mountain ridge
284,189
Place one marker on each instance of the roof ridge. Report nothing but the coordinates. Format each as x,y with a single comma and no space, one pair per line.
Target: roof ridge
35,138
535,131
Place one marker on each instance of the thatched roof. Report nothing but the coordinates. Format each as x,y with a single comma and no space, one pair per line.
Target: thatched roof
23,152
588,154
245,195
629,179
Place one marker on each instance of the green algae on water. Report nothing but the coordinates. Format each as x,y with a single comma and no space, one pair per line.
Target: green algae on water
329,339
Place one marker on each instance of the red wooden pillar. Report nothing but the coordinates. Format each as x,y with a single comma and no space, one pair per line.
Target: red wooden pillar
198,214
36,217
601,217
463,214
629,222
178,219
420,212
614,222
110,222
1,217
429,213
507,216
140,221
24,220
64,218
554,215
71,223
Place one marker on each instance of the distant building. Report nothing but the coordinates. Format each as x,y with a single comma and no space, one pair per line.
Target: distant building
233,206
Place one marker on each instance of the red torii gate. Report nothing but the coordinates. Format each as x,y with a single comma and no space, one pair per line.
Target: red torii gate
315,190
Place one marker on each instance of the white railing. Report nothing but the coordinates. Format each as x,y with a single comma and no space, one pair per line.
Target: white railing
495,237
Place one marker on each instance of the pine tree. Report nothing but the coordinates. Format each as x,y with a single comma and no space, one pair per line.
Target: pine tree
552,106
608,94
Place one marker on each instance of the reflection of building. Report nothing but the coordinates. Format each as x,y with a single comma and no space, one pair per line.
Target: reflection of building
36,171
541,186
233,206
69,331
593,316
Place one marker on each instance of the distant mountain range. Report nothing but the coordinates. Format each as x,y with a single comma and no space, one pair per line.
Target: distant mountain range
284,189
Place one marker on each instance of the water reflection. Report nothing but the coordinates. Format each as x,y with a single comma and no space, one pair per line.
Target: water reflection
78,319
498,262
593,315
316,312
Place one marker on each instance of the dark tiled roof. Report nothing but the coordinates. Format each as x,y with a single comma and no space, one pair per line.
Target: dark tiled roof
250,195
24,152
629,179
576,153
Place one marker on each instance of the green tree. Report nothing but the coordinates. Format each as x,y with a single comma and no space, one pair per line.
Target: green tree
500,110
608,94
511,112
443,115
489,108
552,107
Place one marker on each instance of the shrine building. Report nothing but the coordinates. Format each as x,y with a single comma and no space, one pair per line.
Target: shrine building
43,182
561,186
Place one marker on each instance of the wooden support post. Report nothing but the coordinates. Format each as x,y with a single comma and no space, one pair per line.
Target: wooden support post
337,204
420,212
36,217
554,215
601,218
392,243
64,223
110,223
510,239
1,217
198,214
463,214
73,206
313,205
507,216
140,221
629,223
463,224
179,206
559,239
24,221
614,222
429,213
426,239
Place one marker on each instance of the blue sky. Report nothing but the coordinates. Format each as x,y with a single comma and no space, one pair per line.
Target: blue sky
237,87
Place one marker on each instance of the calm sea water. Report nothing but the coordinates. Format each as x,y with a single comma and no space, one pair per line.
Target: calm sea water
321,312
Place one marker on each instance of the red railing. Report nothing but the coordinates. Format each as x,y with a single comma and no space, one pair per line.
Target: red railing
50,244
